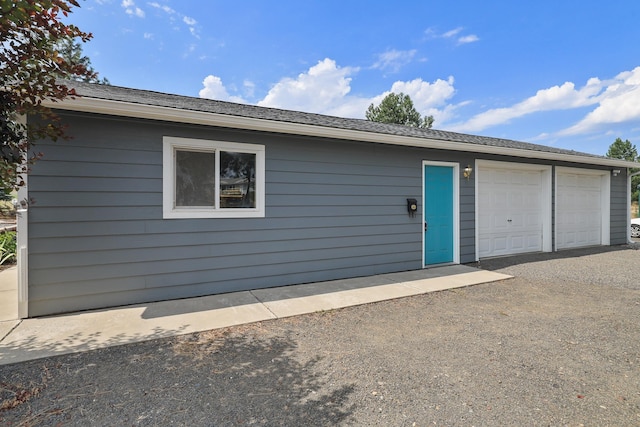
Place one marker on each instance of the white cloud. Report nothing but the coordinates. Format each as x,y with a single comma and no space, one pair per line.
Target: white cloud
425,93
554,98
429,99
249,88
322,88
619,103
130,8
452,33
165,8
190,49
214,89
190,22
393,59
455,33
468,39
325,88
615,101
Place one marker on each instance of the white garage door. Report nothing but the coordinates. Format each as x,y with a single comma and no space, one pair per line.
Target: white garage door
578,209
510,211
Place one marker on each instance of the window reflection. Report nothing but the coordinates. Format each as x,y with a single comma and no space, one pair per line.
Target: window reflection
237,180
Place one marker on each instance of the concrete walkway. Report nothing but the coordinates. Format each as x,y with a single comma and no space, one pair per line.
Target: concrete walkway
8,295
29,339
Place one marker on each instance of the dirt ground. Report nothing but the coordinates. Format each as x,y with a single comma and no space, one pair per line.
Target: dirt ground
557,345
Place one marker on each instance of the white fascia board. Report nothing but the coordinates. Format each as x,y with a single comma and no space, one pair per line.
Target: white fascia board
153,112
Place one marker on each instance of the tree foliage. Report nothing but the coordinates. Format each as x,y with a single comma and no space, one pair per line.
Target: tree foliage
398,109
71,51
30,68
625,150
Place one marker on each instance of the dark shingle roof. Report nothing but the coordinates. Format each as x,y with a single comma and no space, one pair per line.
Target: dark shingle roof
144,97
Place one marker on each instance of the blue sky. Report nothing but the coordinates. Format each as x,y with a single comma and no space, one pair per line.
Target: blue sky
562,73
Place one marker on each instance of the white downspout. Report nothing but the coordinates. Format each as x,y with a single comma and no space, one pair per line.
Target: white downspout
22,255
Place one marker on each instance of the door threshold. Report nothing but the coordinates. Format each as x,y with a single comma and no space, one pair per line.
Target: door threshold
443,264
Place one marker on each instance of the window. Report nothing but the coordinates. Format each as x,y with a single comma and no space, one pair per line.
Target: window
212,179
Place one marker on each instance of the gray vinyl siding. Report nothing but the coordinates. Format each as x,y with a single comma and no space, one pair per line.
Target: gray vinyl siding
334,209
619,209
467,210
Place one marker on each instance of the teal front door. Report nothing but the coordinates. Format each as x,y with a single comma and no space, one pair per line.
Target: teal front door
438,214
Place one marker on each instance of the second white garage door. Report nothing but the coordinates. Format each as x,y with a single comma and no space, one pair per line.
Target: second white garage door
581,208
513,209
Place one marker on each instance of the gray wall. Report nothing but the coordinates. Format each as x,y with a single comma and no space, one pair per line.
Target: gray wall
334,209
619,204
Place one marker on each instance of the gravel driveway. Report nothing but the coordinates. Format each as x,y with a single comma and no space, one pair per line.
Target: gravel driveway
557,345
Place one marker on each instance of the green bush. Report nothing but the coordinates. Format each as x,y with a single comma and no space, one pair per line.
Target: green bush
8,247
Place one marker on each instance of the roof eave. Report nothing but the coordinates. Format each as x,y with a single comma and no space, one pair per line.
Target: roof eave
177,115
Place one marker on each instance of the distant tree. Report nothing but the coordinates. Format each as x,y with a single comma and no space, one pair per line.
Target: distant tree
70,50
625,150
30,66
398,109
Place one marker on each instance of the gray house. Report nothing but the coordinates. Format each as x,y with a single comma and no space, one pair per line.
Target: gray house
160,196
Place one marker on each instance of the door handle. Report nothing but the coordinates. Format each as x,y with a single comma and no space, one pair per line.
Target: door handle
426,226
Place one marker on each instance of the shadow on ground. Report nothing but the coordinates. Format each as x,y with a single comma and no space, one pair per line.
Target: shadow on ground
211,378
498,263
30,347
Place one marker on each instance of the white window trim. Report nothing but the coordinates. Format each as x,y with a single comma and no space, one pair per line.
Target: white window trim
169,210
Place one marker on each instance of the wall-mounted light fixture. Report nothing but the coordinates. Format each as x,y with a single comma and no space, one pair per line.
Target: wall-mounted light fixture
615,172
467,172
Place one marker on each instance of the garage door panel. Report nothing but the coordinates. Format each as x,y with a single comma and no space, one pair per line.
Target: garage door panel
566,200
534,242
592,182
578,210
516,220
500,244
484,221
510,211
497,245
516,200
484,245
516,177
500,222
570,238
534,221
517,244
499,200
